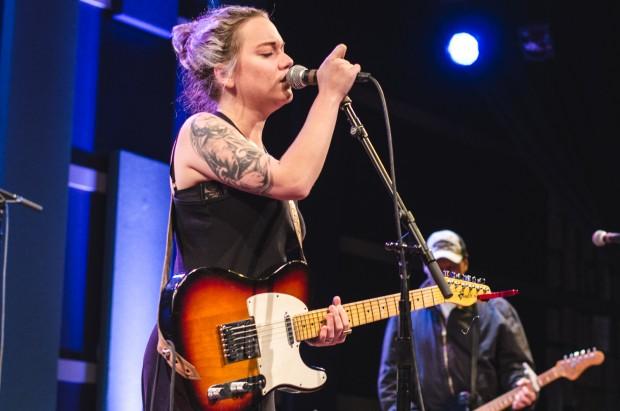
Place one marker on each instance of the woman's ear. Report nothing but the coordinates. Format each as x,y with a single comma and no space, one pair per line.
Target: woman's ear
223,76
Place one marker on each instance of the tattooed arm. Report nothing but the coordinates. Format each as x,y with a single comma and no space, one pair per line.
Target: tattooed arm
211,148
231,158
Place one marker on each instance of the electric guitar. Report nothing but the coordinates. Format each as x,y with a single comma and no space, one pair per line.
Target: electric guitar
238,339
571,367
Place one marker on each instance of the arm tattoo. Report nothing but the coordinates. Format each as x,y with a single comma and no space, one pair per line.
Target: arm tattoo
234,161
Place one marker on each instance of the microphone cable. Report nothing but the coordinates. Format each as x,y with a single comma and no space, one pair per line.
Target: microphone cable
4,238
173,353
174,373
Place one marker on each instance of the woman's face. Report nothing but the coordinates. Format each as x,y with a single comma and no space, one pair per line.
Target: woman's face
262,64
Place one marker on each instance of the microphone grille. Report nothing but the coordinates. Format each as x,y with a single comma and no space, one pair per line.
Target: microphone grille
598,238
295,76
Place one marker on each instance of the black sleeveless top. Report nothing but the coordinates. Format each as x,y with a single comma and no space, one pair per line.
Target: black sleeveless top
218,226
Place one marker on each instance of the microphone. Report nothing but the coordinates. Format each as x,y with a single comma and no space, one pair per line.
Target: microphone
299,77
601,238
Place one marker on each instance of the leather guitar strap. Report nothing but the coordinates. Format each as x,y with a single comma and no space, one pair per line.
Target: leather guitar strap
292,206
182,366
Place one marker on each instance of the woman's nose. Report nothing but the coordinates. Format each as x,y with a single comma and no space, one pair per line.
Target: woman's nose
287,61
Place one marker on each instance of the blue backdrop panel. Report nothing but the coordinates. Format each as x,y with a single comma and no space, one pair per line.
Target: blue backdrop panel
36,99
83,275
137,221
86,76
135,110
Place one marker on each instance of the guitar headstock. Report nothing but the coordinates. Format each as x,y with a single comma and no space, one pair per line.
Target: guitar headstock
465,288
574,364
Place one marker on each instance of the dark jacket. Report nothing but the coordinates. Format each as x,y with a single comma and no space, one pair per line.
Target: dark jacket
443,354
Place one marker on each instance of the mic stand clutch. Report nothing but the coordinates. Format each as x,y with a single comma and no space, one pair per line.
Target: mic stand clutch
405,345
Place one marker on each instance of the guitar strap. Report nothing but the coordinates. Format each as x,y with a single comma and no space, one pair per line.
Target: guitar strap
292,206
475,349
182,366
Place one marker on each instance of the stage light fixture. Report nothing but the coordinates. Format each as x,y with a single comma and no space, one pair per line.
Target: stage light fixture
463,49
536,42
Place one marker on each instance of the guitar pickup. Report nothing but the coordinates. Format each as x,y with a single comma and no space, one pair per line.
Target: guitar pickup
235,388
239,340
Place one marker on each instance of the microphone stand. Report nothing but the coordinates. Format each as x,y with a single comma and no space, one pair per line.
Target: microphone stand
6,197
405,345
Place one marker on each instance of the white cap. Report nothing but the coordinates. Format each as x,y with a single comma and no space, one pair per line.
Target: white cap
447,244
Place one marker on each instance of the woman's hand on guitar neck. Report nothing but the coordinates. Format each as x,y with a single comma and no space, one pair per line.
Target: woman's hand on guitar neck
336,327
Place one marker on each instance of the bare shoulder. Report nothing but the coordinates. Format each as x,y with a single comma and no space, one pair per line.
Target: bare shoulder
202,125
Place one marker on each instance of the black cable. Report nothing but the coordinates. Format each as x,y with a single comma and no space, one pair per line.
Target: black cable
4,241
174,373
155,378
397,217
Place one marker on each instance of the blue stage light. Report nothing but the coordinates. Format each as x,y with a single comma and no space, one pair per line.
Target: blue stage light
463,49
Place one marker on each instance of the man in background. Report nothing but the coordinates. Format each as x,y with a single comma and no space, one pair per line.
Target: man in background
445,342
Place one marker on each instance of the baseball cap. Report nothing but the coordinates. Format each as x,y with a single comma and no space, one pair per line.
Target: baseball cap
447,244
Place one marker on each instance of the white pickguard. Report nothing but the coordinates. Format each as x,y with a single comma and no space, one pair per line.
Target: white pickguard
279,361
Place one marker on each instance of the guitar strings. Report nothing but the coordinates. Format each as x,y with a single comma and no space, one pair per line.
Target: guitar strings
302,327
277,329
376,305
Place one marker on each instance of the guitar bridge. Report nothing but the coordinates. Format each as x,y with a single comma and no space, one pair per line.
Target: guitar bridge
239,340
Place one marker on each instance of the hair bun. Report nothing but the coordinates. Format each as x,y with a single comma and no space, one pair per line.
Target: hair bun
181,34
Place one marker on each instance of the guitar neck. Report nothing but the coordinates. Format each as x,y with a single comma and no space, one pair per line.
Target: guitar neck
505,400
307,326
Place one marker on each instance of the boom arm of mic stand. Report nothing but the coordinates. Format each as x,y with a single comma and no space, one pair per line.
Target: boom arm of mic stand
8,197
359,131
